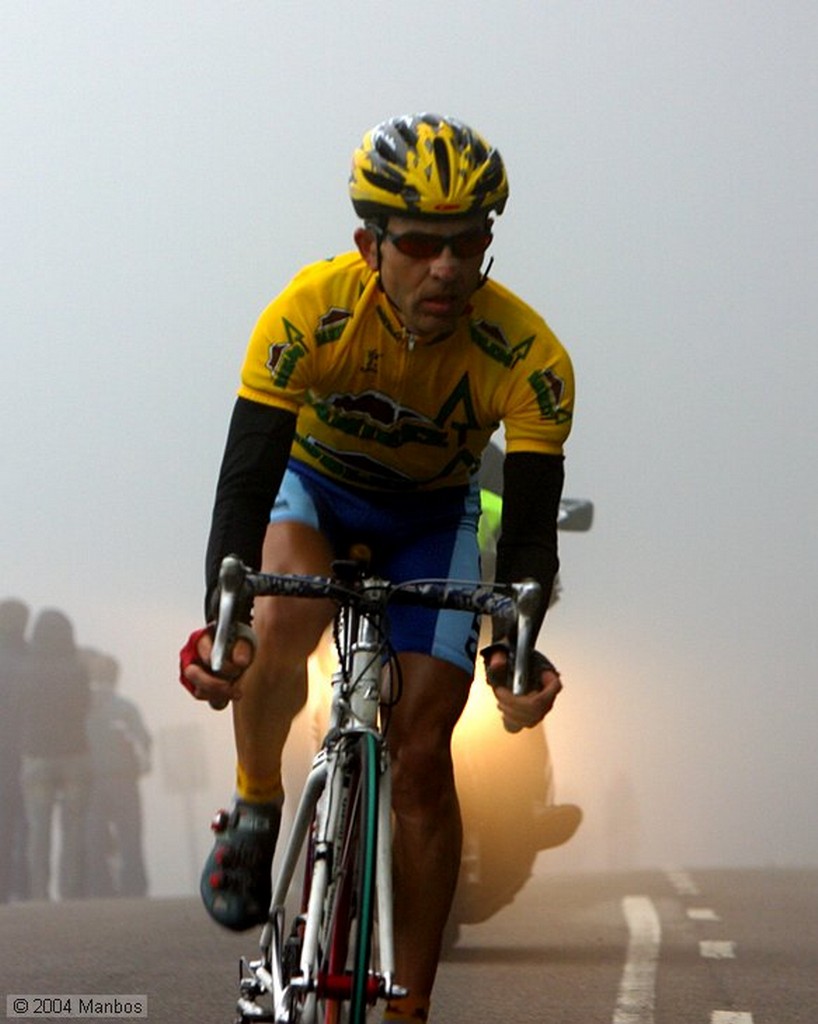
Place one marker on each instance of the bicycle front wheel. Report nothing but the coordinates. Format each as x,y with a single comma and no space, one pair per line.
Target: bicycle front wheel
347,981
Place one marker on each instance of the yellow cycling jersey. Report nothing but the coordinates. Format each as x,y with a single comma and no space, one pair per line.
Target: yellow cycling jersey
382,410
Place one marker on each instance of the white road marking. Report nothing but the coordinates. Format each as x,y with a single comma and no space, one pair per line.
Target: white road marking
683,883
702,914
637,988
722,950
718,950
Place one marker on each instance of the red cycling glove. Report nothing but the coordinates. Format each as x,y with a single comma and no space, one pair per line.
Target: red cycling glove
189,655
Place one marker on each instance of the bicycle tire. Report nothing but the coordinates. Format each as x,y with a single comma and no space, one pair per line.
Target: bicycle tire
351,906
346,984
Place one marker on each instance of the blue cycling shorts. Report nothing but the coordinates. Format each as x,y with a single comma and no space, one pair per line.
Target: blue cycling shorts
423,535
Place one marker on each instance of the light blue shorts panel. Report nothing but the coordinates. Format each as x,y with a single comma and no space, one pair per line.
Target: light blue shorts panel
428,535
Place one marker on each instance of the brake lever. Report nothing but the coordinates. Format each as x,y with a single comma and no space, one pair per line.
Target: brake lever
527,597
231,581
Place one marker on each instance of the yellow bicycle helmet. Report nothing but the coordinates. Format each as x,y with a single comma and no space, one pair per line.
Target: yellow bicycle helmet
426,166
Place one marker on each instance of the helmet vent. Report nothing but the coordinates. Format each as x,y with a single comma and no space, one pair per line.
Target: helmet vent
444,167
404,126
395,185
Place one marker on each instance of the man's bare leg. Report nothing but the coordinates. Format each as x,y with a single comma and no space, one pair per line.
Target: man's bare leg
289,629
428,831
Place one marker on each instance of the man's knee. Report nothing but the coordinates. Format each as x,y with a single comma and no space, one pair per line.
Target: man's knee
279,671
288,631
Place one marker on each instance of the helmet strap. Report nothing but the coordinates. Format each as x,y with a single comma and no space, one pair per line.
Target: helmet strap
485,275
378,229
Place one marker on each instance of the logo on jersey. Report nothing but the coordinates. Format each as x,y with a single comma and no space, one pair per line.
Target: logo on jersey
549,389
371,364
282,356
377,417
356,467
381,421
332,325
492,340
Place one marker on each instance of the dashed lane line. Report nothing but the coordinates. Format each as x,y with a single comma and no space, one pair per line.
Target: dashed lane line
684,885
702,914
717,950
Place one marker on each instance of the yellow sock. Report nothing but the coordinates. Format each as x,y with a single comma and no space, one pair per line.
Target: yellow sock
407,1010
265,789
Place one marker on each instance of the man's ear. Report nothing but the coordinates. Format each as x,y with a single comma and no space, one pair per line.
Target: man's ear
367,243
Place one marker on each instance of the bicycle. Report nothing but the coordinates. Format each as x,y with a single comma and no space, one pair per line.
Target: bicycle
335,960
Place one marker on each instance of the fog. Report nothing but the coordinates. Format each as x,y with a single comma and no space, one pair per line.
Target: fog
166,168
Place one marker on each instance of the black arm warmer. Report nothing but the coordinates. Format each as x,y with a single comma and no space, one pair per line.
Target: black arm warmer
527,548
255,457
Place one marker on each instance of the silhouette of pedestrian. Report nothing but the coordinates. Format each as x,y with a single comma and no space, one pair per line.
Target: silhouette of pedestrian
120,754
14,616
56,768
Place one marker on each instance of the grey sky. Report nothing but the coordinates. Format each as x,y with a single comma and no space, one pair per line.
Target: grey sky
166,168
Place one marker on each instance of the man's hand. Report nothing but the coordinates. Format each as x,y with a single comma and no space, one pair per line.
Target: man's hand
198,678
528,710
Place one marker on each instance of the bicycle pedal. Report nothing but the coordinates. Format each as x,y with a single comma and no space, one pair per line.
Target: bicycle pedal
250,1011
250,988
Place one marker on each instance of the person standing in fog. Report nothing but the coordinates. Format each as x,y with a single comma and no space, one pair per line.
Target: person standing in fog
120,754
56,766
14,616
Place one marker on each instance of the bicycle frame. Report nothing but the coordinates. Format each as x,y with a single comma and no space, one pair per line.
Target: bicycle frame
354,743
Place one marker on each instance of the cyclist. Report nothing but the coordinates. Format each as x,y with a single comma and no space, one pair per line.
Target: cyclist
369,389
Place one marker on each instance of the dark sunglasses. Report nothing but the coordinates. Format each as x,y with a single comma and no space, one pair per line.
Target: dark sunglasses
422,246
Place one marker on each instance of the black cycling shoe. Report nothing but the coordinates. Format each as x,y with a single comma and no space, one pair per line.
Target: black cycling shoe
235,884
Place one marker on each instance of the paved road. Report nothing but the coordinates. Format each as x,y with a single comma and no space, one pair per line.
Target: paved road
655,947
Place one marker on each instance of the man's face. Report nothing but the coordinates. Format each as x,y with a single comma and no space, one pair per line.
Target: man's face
430,292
